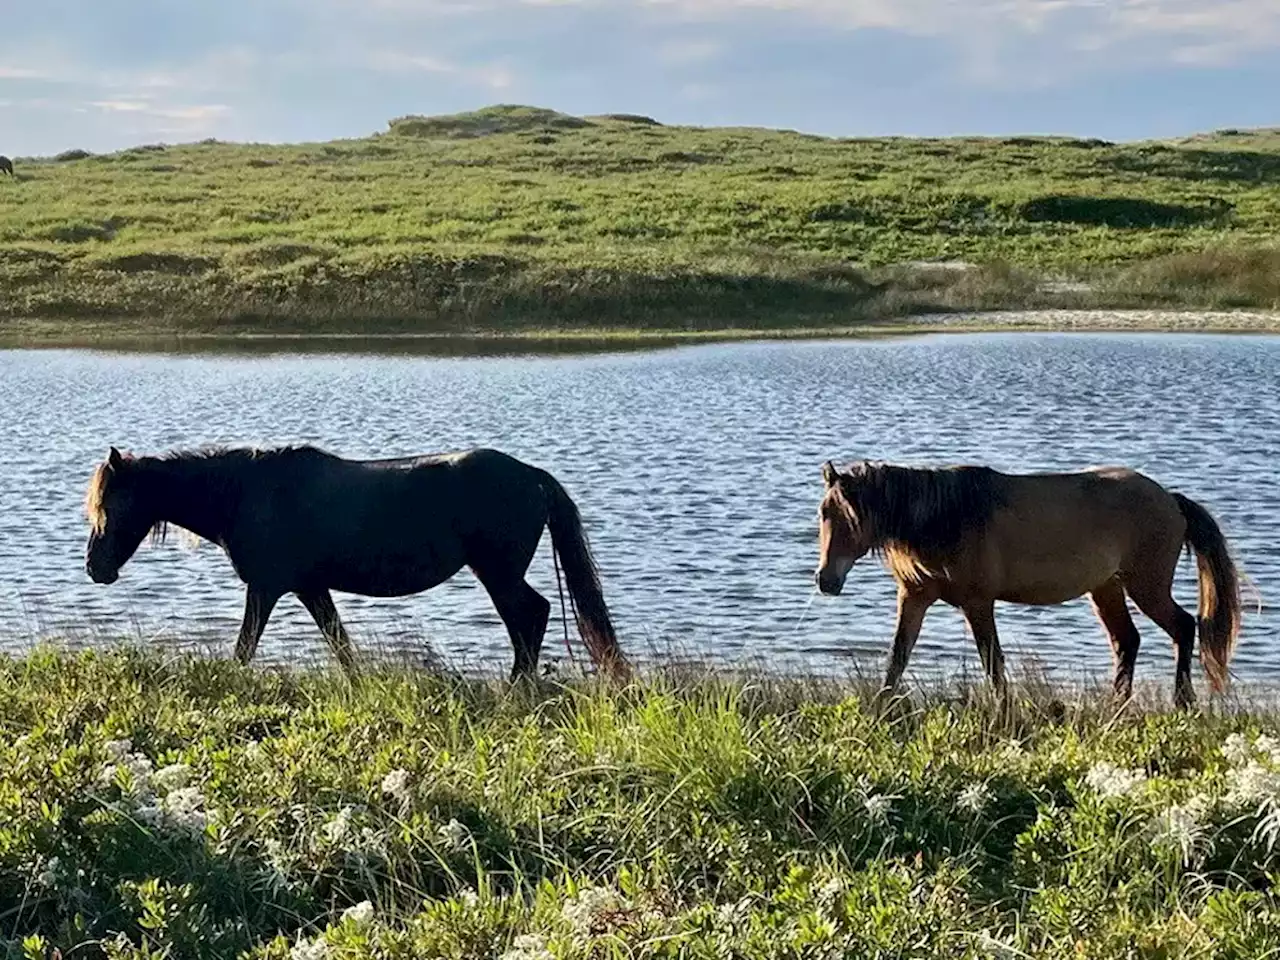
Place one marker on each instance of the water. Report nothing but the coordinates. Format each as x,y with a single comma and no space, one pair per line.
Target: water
697,471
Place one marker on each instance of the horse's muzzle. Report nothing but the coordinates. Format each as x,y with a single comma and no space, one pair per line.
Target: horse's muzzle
101,576
828,585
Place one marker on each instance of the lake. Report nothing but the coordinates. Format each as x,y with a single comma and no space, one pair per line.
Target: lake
697,471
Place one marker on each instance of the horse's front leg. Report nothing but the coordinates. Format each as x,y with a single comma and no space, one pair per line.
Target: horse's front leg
258,605
912,606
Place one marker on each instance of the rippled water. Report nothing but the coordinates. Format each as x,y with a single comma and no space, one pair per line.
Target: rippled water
697,471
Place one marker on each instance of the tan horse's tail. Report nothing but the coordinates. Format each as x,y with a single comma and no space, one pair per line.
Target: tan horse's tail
569,540
1219,591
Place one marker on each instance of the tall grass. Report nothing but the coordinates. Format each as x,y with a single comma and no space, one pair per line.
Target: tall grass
514,218
191,808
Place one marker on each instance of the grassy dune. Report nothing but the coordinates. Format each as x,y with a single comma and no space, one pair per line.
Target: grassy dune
512,219
196,809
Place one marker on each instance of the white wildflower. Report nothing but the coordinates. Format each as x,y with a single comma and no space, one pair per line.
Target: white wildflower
184,808
107,775
360,914
453,835
731,914
1178,830
139,769
878,806
1269,746
48,874
1012,750
317,949
997,949
1253,786
396,785
593,910
118,749
173,777
278,861
468,897
974,798
149,814
1237,750
276,854
337,828
830,891
528,946
1109,781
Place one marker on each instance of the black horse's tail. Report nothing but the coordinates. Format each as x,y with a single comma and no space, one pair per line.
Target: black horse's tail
1219,591
569,540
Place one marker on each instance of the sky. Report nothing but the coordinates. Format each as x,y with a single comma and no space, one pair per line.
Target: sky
106,74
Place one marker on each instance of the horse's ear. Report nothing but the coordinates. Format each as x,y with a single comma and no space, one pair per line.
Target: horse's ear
829,473
114,459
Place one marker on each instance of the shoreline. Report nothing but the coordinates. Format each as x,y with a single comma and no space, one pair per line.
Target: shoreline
115,337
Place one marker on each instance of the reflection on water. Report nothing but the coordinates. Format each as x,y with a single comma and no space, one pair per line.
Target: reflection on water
697,471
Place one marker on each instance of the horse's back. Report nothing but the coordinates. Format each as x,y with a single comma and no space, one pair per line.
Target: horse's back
1087,501
1059,535
387,527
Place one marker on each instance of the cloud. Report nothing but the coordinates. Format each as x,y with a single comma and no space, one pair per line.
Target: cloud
491,76
22,73
689,51
199,113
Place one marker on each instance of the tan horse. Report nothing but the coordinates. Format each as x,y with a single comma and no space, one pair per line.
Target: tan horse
970,536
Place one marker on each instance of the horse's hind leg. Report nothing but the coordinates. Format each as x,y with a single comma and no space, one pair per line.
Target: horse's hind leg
1110,606
319,604
982,621
525,613
1156,601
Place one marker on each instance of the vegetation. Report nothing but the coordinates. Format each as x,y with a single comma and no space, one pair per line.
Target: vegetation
514,218
198,809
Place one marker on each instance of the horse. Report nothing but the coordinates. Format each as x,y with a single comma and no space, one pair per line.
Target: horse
6,166
304,521
970,535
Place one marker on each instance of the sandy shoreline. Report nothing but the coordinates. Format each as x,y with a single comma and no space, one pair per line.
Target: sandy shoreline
134,335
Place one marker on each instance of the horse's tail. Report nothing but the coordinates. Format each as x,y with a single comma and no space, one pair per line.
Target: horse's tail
569,540
1219,591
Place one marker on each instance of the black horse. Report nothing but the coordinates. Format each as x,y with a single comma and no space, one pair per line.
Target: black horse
300,520
6,166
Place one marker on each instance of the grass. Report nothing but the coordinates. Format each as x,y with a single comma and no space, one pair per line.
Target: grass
192,808
513,219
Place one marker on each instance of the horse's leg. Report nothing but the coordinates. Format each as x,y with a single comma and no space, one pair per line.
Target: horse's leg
1156,601
912,607
525,613
539,613
319,604
257,608
981,618
1110,606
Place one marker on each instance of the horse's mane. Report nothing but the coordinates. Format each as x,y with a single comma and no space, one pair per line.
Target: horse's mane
910,511
241,455
93,497
229,462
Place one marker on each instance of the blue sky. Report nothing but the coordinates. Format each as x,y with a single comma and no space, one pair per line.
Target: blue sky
107,74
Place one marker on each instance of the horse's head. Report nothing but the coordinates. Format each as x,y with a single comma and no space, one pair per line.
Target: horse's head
119,517
843,536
